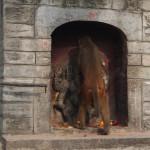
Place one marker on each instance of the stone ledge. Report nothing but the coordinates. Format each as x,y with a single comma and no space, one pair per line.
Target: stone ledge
139,140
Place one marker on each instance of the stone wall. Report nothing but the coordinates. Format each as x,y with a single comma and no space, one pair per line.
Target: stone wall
1,63
26,60
28,25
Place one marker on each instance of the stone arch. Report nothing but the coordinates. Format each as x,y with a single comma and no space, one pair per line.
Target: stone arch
112,42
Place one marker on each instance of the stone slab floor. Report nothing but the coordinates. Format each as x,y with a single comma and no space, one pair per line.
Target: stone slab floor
73,139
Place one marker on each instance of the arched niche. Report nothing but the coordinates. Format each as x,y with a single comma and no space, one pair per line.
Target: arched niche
113,43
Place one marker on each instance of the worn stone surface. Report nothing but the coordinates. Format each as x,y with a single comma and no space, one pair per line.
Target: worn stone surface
1,34
19,14
18,30
1,111
134,103
17,93
146,26
127,4
1,145
75,142
17,109
1,71
79,3
119,4
1,29
43,58
146,109
95,4
146,91
21,94
139,47
17,125
146,5
138,72
21,1
42,107
146,115
134,59
1,52
23,44
1,124
19,57
146,59
26,71
146,104
45,23
1,41
146,122
18,80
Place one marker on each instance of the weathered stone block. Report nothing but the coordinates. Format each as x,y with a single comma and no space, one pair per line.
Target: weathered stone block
18,80
146,91
95,4
146,112
1,110
146,82
1,71
145,59
26,71
1,144
138,72
19,14
134,103
22,94
14,93
127,4
1,28
146,105
1,124
22,44
139,47
21,1
43,58
17,109
19,57
134,59
146,5
45,24
146,108
42,107
1,52
17,125
18,30
79,3
119,4
146,26
146,123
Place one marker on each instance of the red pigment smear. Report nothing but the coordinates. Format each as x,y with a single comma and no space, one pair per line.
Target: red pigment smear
45,45
91,15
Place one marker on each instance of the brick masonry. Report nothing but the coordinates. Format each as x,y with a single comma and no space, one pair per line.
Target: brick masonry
25,56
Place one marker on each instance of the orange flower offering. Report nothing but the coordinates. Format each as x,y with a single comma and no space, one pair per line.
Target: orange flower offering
78,122
101,123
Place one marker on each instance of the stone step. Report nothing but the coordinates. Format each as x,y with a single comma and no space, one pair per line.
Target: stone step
77,141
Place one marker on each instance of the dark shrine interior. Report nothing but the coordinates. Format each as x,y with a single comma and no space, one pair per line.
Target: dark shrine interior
112,42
